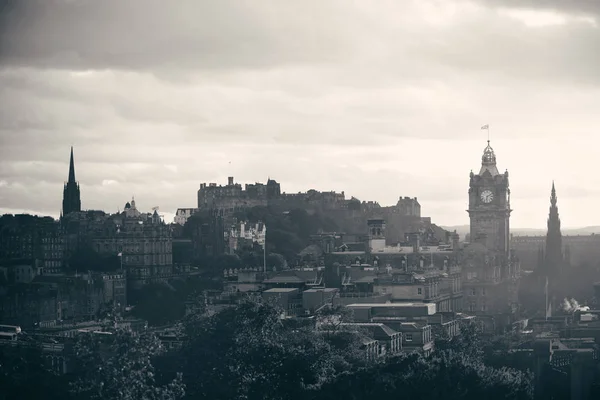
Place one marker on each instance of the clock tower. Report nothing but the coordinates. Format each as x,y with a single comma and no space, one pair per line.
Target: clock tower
489,205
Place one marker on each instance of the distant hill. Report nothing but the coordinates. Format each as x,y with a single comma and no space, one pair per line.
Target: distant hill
463,230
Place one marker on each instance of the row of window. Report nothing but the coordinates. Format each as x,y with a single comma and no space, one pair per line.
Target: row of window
473,307
473,292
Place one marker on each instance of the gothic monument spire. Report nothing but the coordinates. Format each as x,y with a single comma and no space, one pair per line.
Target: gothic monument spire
71,196
554,257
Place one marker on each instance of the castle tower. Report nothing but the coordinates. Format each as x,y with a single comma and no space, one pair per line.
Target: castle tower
71,196
489,205
553,257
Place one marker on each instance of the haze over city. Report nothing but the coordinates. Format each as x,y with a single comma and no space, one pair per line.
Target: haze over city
382,100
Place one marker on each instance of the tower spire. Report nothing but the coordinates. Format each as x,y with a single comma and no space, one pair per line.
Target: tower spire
554,258
71,196
71,168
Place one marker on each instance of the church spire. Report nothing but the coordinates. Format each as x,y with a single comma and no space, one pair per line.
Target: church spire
71,168
71,196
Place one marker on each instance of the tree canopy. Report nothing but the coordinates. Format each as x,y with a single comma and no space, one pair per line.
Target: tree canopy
119,367
247,351
160,304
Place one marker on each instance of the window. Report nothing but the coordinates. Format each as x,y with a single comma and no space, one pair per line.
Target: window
408,337
483,307
471,306
419,291
473,292
483,291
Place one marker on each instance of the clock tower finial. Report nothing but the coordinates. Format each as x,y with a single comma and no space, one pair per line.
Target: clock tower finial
488,161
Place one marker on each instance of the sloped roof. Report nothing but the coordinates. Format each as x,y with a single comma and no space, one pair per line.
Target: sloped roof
380,331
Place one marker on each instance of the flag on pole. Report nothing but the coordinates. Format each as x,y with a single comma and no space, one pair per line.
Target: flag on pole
486,126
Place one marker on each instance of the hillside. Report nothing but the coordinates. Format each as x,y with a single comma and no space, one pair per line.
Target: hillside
462,230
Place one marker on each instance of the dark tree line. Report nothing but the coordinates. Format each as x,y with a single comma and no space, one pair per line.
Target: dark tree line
248,352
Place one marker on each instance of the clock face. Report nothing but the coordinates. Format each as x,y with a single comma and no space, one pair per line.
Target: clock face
487,196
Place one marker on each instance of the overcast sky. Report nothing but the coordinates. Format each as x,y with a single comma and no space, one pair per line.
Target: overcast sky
378,99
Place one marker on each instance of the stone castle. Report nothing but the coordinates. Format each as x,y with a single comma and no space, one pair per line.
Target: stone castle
351,214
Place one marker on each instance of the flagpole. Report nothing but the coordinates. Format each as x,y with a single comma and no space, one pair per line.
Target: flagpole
487,128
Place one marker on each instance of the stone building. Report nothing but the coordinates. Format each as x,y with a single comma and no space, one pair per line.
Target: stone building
142,241
233,197
246,234
491,271
35,242
182,215
28,305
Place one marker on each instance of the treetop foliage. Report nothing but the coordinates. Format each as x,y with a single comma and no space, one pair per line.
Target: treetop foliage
247,351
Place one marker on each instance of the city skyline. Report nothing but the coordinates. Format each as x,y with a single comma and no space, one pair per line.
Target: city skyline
378,102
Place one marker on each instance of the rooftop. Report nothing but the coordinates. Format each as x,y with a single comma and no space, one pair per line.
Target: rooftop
391,305
373,325
327,290
281,290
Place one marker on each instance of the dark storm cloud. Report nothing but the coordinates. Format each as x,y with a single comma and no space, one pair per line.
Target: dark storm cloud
375,45
141,34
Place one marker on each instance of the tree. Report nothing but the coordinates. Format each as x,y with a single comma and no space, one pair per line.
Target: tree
469,341
224,262
276,261
160,304
119,367
86,258
24,374
329,317
444,375
247,352
288,232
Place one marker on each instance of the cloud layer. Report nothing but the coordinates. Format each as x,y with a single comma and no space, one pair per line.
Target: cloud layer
378,101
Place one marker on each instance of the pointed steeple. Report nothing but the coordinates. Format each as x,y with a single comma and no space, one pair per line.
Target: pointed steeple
553,219
554,257
71,168
71,196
